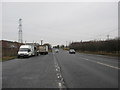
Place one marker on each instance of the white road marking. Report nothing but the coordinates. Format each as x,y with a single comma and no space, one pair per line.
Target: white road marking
58,77
56,69
60,85
61,79
108,65
101,63
86,59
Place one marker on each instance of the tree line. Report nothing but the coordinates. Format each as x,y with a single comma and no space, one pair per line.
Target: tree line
111,45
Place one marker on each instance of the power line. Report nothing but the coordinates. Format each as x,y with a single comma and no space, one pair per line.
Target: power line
104,34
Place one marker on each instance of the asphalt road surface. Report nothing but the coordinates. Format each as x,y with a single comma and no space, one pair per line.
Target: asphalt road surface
60,70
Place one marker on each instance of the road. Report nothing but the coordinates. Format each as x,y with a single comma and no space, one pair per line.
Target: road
60,70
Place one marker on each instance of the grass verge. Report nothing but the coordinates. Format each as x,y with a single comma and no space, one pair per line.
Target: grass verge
6,58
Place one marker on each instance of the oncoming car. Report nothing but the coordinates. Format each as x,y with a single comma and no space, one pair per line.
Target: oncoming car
56,50
72,51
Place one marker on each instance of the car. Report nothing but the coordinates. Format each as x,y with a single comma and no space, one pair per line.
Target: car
56,50
72,51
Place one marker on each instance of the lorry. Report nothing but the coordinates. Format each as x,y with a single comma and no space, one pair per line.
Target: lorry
27,51
43,49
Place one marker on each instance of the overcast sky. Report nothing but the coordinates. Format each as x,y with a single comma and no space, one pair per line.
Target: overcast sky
58,22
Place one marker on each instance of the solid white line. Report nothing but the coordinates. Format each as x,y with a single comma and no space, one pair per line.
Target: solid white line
101,63
108,65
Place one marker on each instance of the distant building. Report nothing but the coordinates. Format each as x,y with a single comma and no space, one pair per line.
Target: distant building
9,44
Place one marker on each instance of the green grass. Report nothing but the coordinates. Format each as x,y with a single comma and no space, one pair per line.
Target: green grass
50,50
66,49
0,59
5,58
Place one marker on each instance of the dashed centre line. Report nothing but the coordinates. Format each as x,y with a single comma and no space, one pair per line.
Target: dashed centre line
60,81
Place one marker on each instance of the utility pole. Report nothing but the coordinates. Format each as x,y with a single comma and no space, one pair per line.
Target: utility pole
20,31
66,44
41,42
108,37
25,42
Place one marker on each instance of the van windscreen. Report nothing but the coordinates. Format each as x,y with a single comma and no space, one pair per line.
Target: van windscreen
23,49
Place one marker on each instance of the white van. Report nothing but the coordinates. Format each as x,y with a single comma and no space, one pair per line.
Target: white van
26,51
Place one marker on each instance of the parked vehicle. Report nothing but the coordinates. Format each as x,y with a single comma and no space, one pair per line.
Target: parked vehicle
43,49
72,51
27,51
